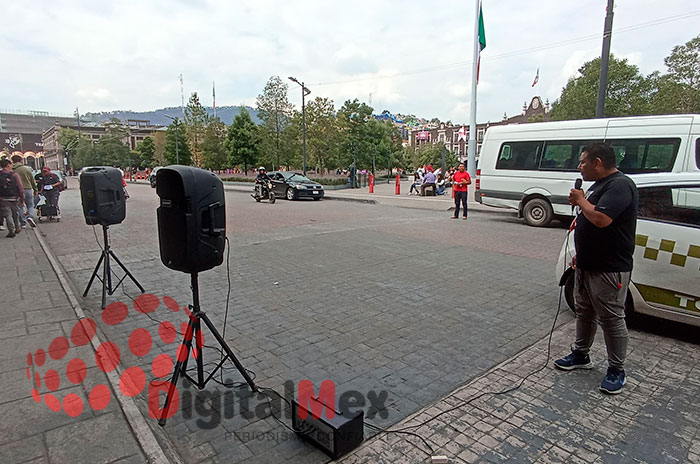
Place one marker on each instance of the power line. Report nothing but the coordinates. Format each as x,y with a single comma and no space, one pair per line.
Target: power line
462,64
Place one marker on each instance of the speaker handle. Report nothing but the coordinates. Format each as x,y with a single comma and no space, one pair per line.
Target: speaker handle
210,210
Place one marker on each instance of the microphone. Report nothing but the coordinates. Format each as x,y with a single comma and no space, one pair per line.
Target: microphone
577,185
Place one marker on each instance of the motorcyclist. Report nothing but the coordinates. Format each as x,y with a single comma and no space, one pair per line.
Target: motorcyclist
262,177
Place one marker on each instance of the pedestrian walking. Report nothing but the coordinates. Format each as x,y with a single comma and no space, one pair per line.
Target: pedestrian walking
26,214
460,181
11,197
604,238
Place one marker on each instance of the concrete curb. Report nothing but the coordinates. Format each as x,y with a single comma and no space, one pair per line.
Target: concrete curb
143,433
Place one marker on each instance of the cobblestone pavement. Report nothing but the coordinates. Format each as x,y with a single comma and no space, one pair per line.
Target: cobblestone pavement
373,297
34,311
560,416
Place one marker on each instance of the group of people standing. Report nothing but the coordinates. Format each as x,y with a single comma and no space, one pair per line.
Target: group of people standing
19,192
428,178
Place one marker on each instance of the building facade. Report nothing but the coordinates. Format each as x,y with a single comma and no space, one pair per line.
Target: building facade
20,134
56,157
456,137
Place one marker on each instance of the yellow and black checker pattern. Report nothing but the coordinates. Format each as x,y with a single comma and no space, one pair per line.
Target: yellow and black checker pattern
667,249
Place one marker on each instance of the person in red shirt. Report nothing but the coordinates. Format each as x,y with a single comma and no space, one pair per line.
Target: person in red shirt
460,180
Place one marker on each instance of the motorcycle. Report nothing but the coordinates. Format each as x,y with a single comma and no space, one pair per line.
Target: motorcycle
263,191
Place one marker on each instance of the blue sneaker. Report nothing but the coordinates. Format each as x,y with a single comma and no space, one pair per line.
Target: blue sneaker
613,382
576,360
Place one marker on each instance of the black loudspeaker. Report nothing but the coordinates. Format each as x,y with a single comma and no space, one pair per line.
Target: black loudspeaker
102,195
191,218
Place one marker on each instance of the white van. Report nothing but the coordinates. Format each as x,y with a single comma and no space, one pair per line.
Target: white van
666,272
532,167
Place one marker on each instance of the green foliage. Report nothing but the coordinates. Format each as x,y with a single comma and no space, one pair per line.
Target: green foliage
146,151
322,135
243,141
430,154
175,142
684,64
214,152
196,121
679,90
628,92
69,140
275,111
158,148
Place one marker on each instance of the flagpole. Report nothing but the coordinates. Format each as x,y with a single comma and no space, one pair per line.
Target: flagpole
471,148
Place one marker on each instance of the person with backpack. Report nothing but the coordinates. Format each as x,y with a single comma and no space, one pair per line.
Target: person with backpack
11,197
26,215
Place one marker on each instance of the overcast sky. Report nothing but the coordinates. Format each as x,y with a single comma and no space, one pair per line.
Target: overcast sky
410,56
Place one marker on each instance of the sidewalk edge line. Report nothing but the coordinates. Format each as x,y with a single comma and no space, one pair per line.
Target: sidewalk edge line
143,433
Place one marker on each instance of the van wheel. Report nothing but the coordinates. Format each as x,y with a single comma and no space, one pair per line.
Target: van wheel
538,212
569,292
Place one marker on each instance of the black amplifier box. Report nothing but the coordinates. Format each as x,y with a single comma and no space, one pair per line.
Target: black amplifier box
336,436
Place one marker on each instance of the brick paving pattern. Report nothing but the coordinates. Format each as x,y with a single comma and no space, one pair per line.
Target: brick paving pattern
391,297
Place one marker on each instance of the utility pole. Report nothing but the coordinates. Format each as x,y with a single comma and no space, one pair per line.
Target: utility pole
182,98
604,62
304,93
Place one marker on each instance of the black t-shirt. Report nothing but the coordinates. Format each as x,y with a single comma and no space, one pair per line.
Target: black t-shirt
608,249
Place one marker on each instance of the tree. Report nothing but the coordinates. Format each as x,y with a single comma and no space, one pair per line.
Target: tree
684,63
158,148
356,144
322,135
69,140
628,93
214,153
275,111
243,141
175,142
679,90
196,120
146,150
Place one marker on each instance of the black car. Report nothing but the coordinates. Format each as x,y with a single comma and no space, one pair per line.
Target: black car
293,185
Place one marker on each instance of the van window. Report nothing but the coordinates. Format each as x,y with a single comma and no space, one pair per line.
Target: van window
562,155
519,155
676,205
639,156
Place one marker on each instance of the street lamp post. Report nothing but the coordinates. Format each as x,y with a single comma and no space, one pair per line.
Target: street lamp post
304,93
177,136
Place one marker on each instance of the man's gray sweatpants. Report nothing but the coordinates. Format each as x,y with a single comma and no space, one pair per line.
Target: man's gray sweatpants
600,299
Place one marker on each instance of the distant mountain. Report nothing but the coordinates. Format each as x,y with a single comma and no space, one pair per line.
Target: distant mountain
157,117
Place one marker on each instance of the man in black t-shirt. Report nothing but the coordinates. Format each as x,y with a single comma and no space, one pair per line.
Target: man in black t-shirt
604,237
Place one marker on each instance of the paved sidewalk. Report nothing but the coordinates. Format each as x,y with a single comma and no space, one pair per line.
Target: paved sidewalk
47,409
561,416
554,417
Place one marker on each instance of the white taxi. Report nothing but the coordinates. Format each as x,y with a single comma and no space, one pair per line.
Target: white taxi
666,273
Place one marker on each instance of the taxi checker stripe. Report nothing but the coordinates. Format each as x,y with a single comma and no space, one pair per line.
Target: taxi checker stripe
668,246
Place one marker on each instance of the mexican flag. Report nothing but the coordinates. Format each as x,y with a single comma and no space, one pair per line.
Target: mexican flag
482,41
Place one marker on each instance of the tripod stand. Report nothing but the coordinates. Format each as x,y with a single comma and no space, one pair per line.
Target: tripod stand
106,278
194,332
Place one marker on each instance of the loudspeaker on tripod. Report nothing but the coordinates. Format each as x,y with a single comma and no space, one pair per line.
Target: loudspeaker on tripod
102,196
191,218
